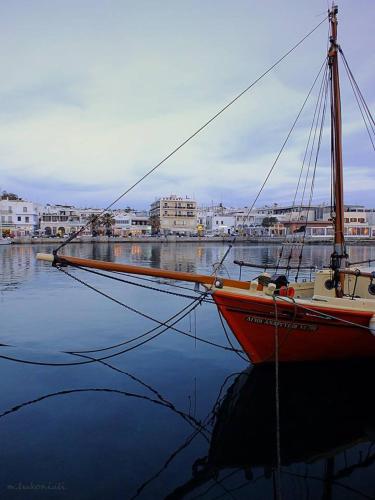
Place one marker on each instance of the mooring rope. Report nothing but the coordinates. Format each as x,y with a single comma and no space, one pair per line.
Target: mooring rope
277,405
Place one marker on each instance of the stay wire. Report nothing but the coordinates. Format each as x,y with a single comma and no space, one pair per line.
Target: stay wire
359,103
311,143
94,360
281,149
197,301
148,287
113,299
367,109
189,308
303,165
194,305
323,114
194,134
153,280
286,140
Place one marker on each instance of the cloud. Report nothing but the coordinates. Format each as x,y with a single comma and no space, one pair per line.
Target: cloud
96,94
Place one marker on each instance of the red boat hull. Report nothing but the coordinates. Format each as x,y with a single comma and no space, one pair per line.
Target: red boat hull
302,335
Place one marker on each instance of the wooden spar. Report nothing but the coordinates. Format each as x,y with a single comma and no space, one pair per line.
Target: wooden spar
274,266
144,271
356,272
339,239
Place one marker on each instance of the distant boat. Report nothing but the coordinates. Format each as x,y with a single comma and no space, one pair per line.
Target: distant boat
332,317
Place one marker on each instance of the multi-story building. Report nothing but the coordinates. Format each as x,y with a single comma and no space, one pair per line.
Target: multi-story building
174,215
218,220
19,217
58,220
90,221
359,222
132,224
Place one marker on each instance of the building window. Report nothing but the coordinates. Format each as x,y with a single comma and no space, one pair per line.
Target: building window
24,209
19,219
27,219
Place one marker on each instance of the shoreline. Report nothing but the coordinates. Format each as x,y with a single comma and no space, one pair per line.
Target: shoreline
182,240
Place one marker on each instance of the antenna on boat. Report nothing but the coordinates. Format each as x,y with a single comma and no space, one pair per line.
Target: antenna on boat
339,251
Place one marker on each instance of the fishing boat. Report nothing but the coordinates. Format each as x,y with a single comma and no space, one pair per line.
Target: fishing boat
329,317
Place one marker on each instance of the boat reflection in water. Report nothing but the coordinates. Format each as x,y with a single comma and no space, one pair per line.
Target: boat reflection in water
327,425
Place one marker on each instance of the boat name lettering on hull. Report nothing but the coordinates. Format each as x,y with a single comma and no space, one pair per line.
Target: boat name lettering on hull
290,325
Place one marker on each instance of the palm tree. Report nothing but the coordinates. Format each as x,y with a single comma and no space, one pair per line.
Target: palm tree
107,220
155,224
94,221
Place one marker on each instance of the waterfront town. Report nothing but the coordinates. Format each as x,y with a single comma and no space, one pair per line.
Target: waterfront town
187,250
179,216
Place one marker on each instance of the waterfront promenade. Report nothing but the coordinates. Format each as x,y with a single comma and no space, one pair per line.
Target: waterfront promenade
186,239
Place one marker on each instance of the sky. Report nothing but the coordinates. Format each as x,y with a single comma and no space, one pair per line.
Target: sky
95,93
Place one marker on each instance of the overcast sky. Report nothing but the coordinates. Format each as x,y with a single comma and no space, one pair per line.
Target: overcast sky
95,93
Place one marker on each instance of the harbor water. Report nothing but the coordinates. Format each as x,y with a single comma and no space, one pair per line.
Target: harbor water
166,412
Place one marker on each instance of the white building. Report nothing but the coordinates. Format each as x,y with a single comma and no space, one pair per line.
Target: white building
132,224
19,217
58,220
218,220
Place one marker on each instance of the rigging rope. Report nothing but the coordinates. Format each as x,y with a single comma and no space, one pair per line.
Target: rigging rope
186,311
285,141
364,103
301,171
197,300
194,134
362,106
277,404
278,155
147,287
323,114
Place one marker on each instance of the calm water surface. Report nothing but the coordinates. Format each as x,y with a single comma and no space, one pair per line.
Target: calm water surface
146,422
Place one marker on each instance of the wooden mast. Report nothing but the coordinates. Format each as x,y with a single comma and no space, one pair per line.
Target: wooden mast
339,252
